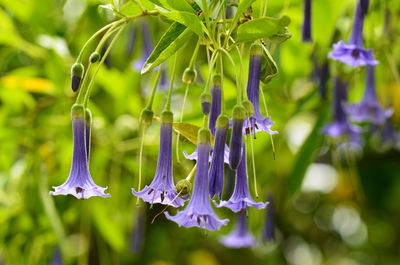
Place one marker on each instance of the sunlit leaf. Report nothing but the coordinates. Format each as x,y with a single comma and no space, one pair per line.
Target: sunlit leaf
267,28
190,20
269,69
176,36
178,5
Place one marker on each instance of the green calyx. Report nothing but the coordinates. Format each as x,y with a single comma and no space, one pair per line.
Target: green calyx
256,49
216,80
94,57
146,116
189,76
222,122
88,116
77,69
238,113
204,136
77,111
248,106
183,187
205,97
167,117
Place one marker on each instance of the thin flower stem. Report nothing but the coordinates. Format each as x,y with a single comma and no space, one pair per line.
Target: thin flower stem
205,121
171,86
265,8
141,6
180,120
140,161
100,63
194,56
266,111
191,174
239,96
254,166
211,66
223,107
169,204
153,92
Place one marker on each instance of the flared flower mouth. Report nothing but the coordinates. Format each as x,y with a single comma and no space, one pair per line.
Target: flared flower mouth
240,236
199,213
162,189
352,54
79,183
257,123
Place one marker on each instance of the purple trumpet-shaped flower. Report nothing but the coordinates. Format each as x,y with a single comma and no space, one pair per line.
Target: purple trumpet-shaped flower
137,237
306,28
79,183
353,52
216,173
256,122
193,156
241,198
235,145
240,236
56,258
369,110
88,123
341,125
269,228
215,102
199,211
147,47
162,189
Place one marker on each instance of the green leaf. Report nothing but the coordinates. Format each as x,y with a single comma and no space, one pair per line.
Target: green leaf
189,131
176,36
239,11
268,67
190,20
132,8
307,152
268,28
178,5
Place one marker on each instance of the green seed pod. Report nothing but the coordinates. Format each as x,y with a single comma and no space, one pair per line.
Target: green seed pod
189,76
205,99
94,57
77,111
183,187
146,116
77,70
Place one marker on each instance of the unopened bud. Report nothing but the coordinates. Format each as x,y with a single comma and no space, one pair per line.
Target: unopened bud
189,76
205,99
77,70
183,187
94,57
146,116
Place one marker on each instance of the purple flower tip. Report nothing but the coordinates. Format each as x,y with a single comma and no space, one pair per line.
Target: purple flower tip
240,236
79,183
162,189
199,211
241,198
352,55
306,28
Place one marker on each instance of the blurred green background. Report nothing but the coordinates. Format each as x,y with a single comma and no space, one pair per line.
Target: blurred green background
345,211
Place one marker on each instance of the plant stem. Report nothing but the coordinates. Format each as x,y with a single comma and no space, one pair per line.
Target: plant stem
153,92
171,86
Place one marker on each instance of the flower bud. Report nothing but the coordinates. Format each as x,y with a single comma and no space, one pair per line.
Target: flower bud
167,117
205,99
77,111
235,152
77,70
94,57
189,76
146,116
183,187
204,136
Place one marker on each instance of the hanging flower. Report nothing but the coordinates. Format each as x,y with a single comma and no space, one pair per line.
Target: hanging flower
241,198
215,102
240,236
56,257
353,52
137,237
369,110
306,28
341,125
199,211
147,47
162,189
235,145
256,122
79,183
269,228
216,173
